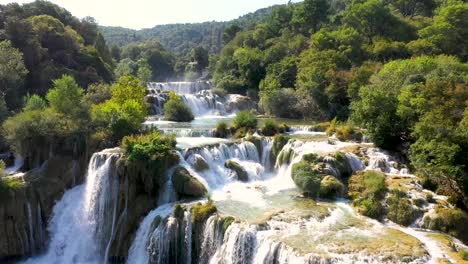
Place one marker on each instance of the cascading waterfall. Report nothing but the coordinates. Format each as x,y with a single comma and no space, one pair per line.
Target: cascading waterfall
198,96
83,221
32,243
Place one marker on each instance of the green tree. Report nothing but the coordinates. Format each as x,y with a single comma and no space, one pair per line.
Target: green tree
176,110
12,74
310,15
66,97
199,55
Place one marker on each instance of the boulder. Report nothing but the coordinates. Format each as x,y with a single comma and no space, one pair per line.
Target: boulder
241,173
198,163
187,185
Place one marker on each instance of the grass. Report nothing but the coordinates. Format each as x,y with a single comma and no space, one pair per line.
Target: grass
445,242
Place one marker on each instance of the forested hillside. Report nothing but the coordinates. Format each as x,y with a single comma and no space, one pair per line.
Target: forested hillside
396,68
41,42
181,38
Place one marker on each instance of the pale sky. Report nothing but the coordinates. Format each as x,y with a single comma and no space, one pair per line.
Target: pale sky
139,14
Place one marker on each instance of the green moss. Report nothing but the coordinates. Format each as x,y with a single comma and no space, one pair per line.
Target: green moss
367,190
330,187
241,173
10,184
278,143
257,141
201,212
400,209
285,156
227,221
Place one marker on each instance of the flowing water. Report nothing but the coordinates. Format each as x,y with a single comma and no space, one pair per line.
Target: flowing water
84,220
274,223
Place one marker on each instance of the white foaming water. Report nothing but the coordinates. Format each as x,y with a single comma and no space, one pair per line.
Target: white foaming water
196,95
138,251
83,221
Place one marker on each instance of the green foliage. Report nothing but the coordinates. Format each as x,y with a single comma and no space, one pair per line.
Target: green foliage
270,128
221,130
344,131
124,113
2,168
12,74
98,93
451,221
151,147
35,102
66,97
176,110
367,190
245,119
400,209
307,178
48,43
330,187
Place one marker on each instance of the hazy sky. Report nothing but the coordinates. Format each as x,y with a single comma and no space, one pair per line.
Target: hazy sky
148,13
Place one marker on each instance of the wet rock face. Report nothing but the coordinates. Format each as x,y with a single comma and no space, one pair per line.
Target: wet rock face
187,185
26,207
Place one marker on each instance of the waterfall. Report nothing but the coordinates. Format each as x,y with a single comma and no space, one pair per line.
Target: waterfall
198,96
32,244
83,222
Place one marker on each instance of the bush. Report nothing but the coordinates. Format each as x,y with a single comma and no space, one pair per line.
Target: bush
176,110
343,131
367,190
245,119
451,221
330,187
221,130
284,128
320,127
307,178
400,209
270,128
152,148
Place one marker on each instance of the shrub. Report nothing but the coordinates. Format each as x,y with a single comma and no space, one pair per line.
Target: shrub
221,130
153,147
307,178
430,198
320,127
343,131
245,119
270,128
284,128
176,110
367,189
451,221
400,209
330,187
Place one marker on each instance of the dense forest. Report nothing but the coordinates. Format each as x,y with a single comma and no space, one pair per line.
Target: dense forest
396,68
182,38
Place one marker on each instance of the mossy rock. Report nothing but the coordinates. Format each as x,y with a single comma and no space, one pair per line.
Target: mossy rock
279,141
400,209
330,187
241,173
367,189
285,156
198,163
257,141
307,178
201,212
227,221
187,185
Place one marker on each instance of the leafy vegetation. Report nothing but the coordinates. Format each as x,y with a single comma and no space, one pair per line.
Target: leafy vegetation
400,208
43,42
367,190
176,110
451,221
